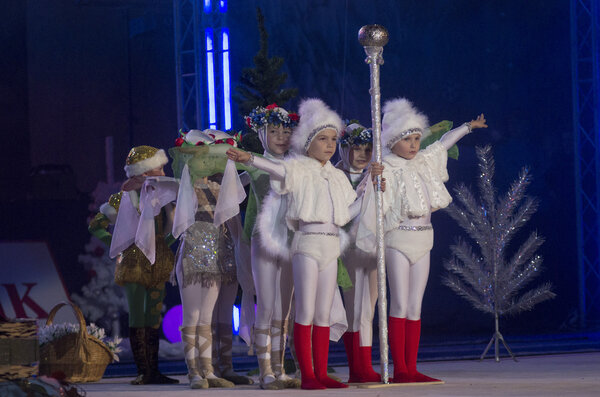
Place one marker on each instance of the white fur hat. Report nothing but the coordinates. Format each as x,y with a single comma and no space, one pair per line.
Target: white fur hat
315,116
401,118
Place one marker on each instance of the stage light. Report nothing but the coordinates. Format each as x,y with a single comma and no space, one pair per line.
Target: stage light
223,6
207,6
236,320
226,84
171,323
174,318
210,75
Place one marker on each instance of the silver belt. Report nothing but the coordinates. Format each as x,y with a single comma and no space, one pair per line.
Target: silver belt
415,228
320,233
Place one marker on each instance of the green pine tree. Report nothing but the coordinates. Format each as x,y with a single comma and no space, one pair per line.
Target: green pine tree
261,85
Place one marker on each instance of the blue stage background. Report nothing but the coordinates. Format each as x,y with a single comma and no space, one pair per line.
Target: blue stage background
73,72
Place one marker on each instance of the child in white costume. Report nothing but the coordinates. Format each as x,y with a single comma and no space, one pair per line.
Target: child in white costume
320,201
355,149
272,273
415,188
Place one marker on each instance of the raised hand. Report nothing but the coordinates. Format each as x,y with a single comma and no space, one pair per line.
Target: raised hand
479,122
239,156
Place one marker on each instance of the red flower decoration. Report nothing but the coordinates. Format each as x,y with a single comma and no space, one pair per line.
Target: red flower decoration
212,136
230,141
248,121
294,117
199,143
272,106
179,141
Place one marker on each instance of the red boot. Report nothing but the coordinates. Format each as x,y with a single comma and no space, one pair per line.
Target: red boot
351,343
413,335
303,354
368,374
397,327
320,342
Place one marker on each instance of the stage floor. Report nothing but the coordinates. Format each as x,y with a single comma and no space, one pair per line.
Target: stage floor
549,375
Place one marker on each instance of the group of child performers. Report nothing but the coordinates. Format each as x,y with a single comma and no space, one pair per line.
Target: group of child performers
302,216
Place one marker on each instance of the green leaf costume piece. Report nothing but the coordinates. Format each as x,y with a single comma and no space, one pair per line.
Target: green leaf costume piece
343,278
260,184
204,160
437,131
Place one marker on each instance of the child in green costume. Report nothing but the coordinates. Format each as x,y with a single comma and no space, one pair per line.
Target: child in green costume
144,282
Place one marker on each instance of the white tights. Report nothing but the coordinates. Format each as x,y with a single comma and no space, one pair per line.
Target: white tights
407,284
204,306
198,303
274,286
360,299
314,290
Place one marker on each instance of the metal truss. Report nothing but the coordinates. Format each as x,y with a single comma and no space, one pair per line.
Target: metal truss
585,84
200,85
188,67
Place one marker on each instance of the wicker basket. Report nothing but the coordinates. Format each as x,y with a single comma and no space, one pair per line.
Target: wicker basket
18,349
81,357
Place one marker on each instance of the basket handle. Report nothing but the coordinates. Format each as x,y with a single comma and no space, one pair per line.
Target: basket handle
76,311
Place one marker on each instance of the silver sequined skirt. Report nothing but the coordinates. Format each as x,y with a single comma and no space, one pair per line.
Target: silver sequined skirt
206,255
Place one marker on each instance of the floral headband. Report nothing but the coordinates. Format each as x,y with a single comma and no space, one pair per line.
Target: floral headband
272,114
357,136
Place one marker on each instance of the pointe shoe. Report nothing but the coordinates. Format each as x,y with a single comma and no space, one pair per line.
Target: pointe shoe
197,382
216,382
236,378
269,382
289,382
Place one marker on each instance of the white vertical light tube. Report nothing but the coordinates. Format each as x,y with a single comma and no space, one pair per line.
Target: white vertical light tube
226,80
210,76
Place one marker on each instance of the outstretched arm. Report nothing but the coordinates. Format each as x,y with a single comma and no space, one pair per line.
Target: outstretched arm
453,136
277,171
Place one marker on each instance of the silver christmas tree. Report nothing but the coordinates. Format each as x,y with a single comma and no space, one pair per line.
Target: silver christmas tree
490,279
101,300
